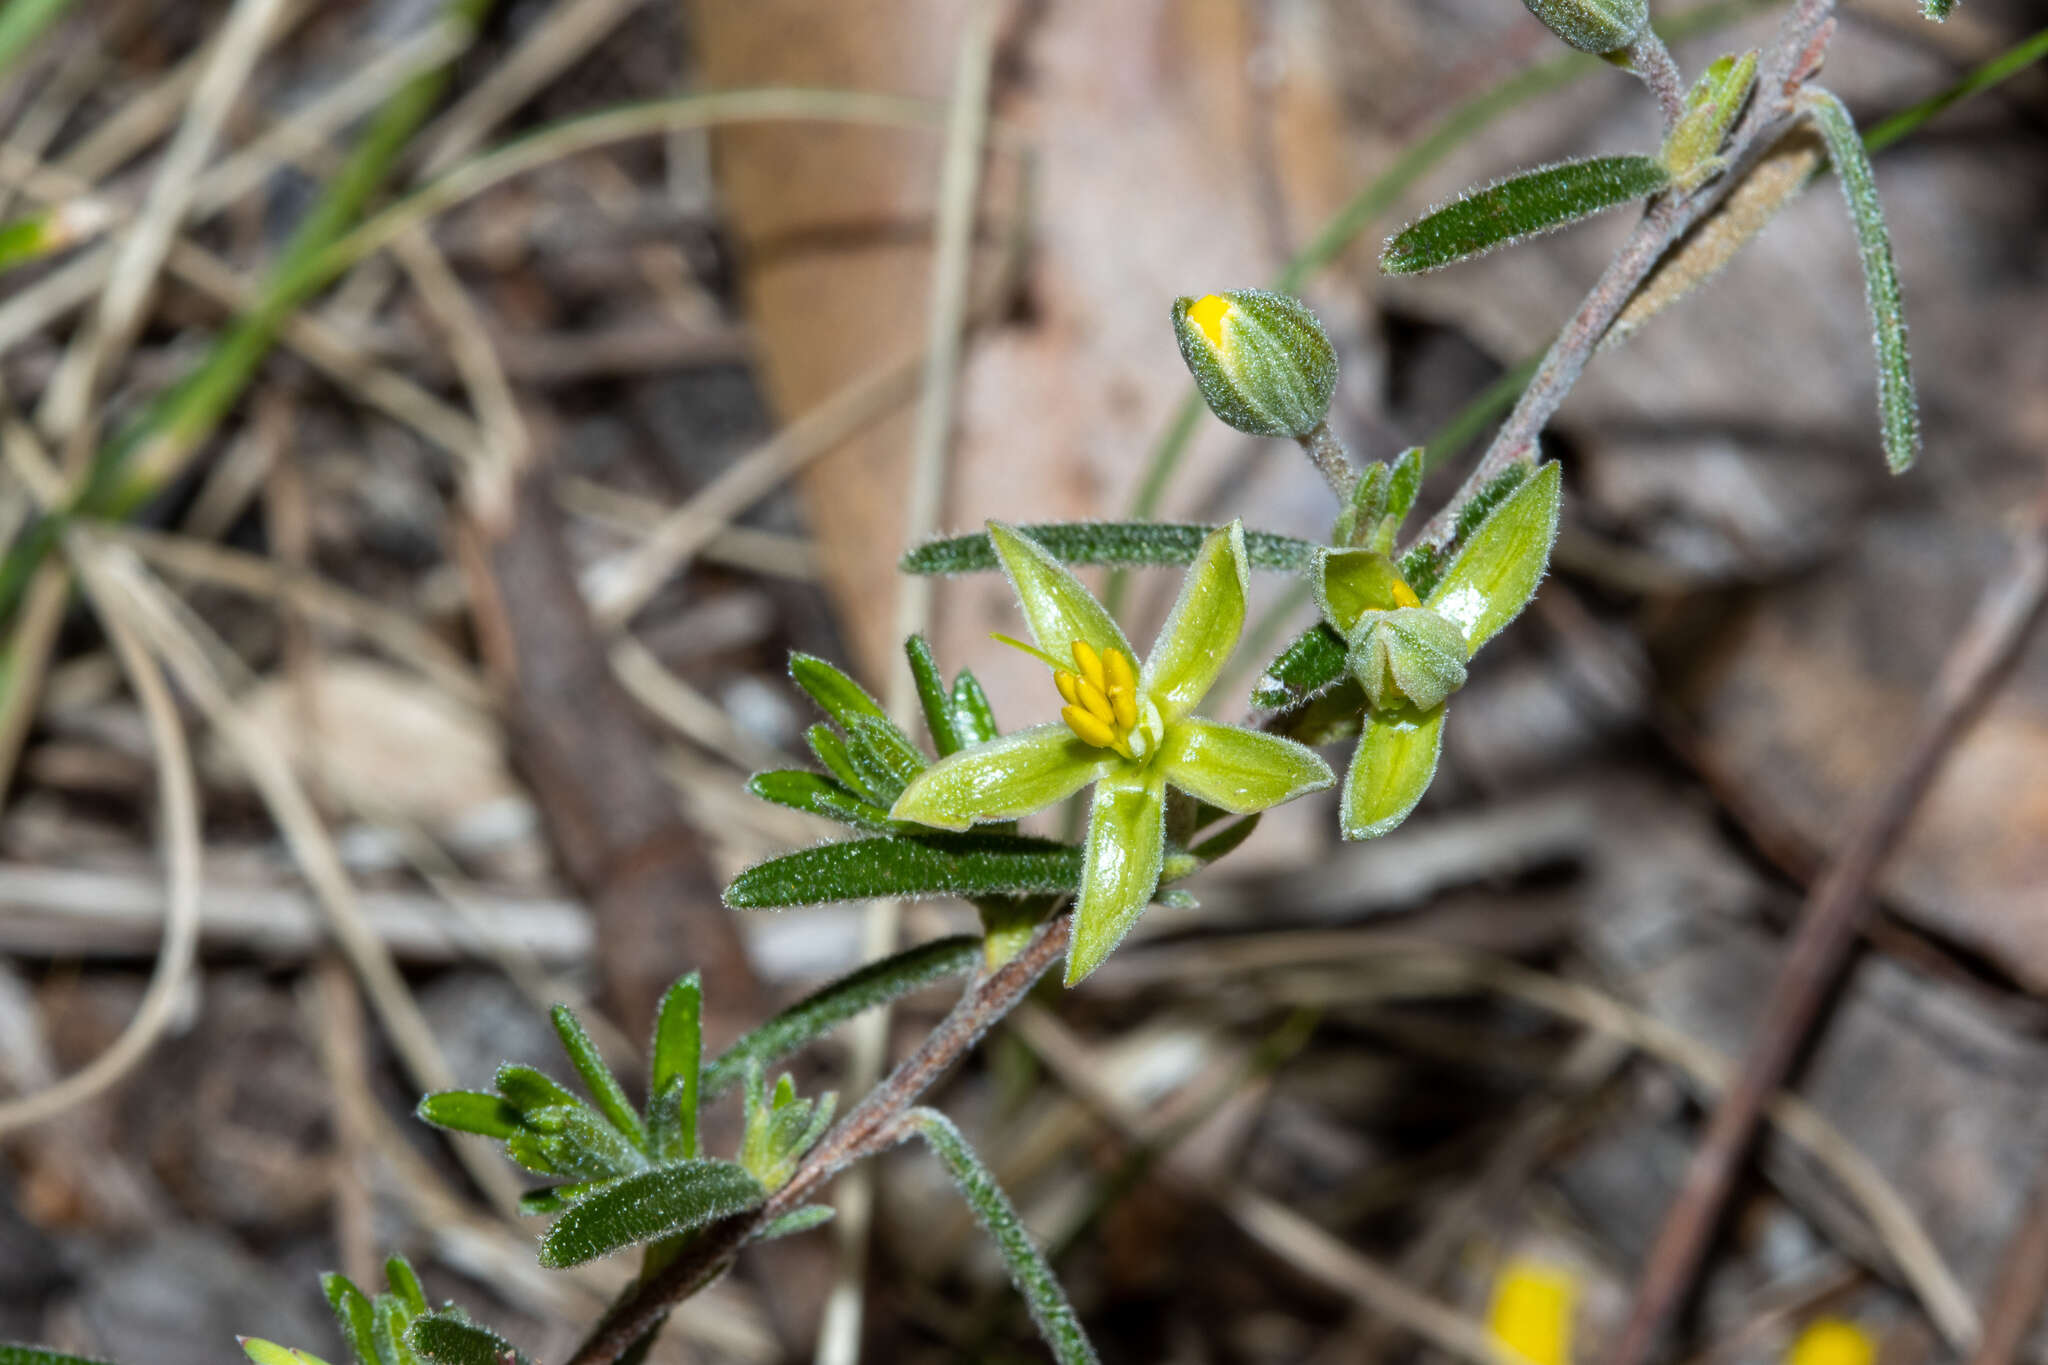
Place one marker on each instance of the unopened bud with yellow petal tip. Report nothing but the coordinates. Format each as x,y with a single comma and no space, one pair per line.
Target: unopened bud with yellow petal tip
1261,360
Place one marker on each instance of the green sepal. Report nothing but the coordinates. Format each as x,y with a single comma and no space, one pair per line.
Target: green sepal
1424,564
816,795
1349,583
932,865
1520,207
1408,657
259,1351
675,1071
1405,484
1116,544
662,1201
604,1087
1500,563
1391,769
932,696
1125,850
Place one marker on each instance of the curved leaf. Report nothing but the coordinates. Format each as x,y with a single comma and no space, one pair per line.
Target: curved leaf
935,865
1898,409
1520,207
1392,768
662,1201
1119,544
1497,569
675,1070
818,1013
932,697
1034,1279
604,1086
470,1111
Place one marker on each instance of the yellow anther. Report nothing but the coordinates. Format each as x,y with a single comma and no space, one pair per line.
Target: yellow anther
1124,701
1095,703
1832,1341
1065,681
1091,730
1532,1310
1116,665
1404,596
1207,313
1090,663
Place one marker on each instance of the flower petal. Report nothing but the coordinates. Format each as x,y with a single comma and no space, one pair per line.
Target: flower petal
1126,845
1203,627
1396,758
1060,609
1237,769
1002,779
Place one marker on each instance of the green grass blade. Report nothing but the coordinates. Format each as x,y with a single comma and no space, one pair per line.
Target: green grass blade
1898,409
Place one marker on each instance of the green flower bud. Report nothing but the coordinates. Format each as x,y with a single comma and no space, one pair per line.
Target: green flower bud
1593,25
1261,360
1410,656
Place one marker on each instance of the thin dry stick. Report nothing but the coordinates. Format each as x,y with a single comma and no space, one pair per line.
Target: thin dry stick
867,1131
132,277
1294,1239
2015,1300
178,796
1828,927
945,339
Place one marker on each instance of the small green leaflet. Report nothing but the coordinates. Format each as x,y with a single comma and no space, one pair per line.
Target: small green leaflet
1119,544
1520,207
1897,409
661,1201
450,1338
935,865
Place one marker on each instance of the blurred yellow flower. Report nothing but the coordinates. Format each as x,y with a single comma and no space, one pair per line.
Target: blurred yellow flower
1533,1305
1832,1341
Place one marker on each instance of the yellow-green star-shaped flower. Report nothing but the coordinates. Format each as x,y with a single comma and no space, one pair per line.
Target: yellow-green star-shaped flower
1128,730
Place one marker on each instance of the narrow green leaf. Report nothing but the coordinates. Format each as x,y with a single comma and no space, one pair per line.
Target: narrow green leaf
883,755
675,1069
259,1351
1897,409
1121,544
795,1221
932,696
604,1086
1406,482
468,1111
394,1315
1499,566
405,1283
30,1355
973,717
1521,207
826,1008
1034,1279
830,751
839,696
450,1338
1424,564
353,1314
817,795
1312,663
934,865
1392,768
662,1201
528,1090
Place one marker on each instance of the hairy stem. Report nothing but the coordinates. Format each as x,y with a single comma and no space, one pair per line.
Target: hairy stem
1331,460
872,1127
1650,60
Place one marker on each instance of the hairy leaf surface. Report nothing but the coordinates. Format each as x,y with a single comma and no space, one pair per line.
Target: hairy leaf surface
936,865
661,1201
1521,207
1120,544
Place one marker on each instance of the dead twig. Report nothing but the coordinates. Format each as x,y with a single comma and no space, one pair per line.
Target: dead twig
1828,927
2015,1300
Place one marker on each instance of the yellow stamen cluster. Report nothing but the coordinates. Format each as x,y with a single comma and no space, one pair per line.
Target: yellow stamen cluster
1102,699
1207,313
